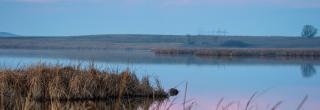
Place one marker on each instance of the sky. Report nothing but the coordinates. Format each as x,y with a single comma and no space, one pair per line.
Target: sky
84,17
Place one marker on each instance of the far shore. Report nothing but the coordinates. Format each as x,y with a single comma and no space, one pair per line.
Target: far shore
191,49
148,42
263,52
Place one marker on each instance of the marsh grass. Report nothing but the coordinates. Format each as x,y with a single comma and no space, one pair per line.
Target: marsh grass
20,87
265,52
58,87
252,105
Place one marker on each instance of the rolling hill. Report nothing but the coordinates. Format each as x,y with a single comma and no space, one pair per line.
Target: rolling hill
7,34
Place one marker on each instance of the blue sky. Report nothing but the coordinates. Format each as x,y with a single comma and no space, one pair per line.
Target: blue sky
78,17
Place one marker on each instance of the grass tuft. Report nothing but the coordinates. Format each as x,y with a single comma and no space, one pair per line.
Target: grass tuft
57,82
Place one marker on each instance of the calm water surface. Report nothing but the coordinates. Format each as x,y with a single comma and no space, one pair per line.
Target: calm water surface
208,83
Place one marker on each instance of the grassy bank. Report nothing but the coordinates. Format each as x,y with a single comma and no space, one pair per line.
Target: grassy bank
55,82
267,52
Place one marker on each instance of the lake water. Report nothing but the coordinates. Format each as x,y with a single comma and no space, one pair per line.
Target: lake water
236,81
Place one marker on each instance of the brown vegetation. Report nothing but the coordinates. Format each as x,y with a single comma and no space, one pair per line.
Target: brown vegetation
71,83
57,87
267,52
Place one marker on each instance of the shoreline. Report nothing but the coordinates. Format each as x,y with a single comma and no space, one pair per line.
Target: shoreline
239,52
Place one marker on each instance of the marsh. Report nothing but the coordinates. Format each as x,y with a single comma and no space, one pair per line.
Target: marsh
209,79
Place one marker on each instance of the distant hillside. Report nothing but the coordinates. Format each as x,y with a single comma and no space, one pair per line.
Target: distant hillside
149,42
7,34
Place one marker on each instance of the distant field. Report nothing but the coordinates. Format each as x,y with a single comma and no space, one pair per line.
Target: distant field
149,42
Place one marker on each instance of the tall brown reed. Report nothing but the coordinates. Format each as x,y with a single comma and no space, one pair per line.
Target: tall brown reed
57,82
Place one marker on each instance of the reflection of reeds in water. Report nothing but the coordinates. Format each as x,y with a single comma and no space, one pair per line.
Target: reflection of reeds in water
56,87
125,104
19,88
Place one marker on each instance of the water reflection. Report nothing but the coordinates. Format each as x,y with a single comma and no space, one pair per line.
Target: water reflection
148,57
209,78
308,70
112,104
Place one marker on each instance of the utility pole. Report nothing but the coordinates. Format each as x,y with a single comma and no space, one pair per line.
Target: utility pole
224,32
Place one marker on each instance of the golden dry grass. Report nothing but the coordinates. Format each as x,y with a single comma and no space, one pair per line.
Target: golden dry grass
42,82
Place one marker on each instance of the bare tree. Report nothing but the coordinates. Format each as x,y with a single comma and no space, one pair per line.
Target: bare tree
309,31
190,40
308,70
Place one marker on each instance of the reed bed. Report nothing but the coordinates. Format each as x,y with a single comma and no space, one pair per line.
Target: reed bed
44,82
57,87
267,52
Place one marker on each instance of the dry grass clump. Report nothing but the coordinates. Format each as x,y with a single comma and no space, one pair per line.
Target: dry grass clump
269,52
44,82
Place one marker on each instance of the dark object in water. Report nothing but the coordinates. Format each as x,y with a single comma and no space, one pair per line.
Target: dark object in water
173,92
